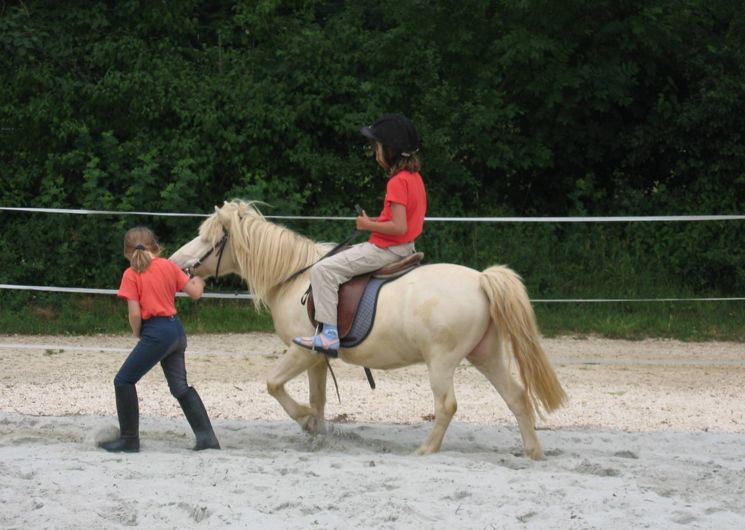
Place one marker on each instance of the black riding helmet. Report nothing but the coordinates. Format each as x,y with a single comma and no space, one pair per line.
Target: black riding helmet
395,131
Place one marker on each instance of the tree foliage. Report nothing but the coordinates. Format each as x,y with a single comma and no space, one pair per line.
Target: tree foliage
526,107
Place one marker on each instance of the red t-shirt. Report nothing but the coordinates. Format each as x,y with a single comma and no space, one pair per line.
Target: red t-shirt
155,288
405,188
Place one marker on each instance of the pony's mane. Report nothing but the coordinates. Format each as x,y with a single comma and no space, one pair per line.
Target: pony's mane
266,253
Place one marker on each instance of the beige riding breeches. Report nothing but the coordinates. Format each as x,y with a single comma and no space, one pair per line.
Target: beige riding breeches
328,274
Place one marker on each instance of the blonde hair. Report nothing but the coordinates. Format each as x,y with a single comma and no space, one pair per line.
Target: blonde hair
265,253
140,246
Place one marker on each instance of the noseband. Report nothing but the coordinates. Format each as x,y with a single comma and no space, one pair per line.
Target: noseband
220,247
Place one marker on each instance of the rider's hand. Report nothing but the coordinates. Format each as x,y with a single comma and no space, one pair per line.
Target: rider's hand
363,221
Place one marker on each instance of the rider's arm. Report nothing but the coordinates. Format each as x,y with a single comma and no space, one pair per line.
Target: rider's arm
394,227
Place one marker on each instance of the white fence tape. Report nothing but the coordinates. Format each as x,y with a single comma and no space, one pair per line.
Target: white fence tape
611,219
244,296
83,290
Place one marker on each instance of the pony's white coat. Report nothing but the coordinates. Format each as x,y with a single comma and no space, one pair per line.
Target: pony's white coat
438,314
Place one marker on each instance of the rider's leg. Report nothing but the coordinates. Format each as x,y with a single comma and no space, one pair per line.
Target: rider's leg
325,278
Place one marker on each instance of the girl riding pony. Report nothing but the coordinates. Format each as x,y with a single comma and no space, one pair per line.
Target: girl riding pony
393,232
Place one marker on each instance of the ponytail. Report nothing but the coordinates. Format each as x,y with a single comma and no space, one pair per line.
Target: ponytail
140,247
141,258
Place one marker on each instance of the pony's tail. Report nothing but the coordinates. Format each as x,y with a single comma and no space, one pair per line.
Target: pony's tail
514,318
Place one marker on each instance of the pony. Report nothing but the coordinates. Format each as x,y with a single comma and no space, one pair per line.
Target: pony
438,314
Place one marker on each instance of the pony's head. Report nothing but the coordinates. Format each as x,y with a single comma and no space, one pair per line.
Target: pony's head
209,254
237,239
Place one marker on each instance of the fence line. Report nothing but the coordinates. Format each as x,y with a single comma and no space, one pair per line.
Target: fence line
84,290
245,296
610,219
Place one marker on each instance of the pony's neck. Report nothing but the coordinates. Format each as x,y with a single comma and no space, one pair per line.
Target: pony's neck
267,254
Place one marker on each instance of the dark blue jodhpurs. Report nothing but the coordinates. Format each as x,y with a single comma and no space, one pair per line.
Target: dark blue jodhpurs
163,340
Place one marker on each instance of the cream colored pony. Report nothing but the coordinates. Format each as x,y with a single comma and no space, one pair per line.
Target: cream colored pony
438,314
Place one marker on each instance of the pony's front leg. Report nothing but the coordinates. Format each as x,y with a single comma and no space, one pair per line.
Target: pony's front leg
317,395
292,364
441,380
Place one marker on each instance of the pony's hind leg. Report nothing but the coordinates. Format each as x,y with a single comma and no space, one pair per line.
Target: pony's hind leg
441,380
290,365
489,358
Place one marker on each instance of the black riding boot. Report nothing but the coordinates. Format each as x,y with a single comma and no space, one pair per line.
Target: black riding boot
197,417
128,410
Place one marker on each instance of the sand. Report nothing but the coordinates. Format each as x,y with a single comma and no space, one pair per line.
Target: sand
653,436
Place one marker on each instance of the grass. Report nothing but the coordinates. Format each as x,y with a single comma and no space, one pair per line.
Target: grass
687,321
86,315
89,314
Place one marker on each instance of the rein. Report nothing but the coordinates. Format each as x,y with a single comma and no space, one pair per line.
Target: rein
337,248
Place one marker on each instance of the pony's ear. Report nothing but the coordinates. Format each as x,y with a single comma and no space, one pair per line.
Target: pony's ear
224,213
218,213
243,209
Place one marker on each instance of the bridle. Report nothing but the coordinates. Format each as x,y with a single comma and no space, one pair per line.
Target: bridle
219,247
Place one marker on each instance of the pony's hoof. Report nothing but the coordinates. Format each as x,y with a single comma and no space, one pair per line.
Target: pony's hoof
313,425
534,453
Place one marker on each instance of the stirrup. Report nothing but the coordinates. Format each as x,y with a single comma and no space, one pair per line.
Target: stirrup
319,343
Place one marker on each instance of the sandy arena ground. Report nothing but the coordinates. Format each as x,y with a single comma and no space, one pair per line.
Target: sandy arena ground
645,385
653,436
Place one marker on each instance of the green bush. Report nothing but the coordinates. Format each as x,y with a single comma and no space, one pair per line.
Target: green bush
541,108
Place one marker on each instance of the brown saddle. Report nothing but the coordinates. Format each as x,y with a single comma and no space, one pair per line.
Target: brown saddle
351,292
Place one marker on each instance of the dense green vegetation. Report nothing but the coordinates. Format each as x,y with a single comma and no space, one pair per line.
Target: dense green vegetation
526,108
